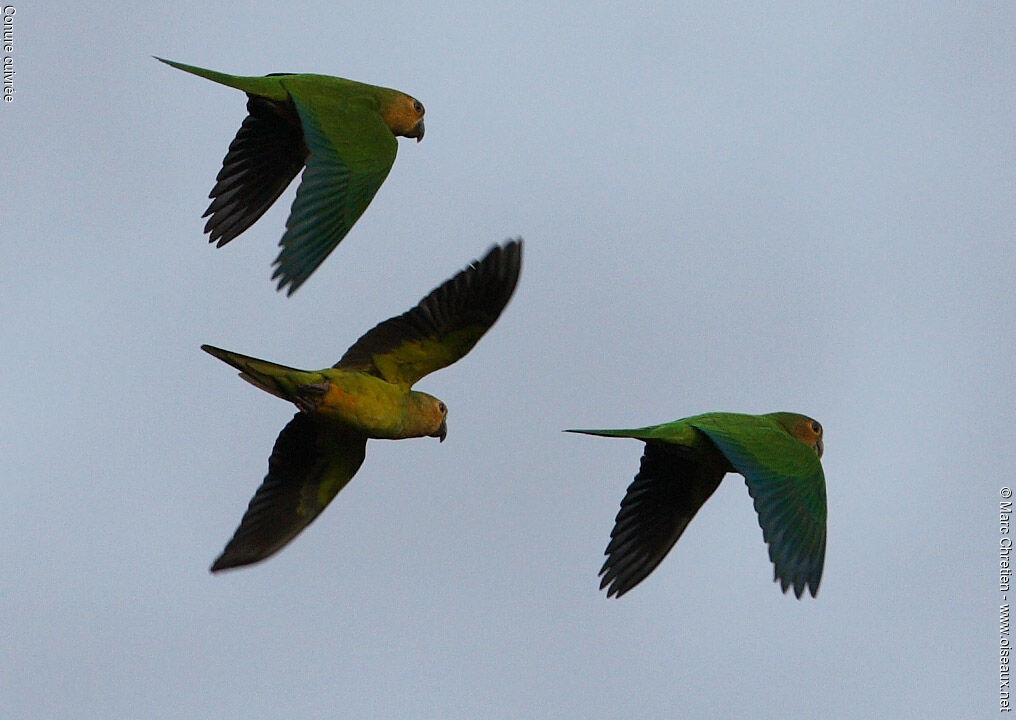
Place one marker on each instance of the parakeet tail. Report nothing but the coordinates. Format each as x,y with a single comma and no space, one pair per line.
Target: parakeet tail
268,376
636,433
268,86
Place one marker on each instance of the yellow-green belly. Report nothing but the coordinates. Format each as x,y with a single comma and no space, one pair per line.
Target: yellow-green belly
365,402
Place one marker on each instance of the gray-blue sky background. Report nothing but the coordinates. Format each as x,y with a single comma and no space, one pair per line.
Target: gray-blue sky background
745,207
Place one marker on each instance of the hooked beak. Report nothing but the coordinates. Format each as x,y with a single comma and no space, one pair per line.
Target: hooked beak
442,432
819,447
417,131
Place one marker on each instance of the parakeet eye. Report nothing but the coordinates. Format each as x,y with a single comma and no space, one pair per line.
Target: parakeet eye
816,428
418,107
442,408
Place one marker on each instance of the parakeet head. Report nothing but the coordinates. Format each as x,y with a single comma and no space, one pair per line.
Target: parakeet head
404,116
802,428
428,416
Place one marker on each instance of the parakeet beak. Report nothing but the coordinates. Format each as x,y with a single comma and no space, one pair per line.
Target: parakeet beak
819,447
442,432
417,131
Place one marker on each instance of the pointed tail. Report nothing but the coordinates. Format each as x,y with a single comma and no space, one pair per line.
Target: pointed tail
651,432
279,380
267,86
608,433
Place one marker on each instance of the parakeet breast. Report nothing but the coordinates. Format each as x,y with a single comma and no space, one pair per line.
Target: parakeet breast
364,402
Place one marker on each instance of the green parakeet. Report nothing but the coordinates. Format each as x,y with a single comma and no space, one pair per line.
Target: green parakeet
778,455
366,394
343,132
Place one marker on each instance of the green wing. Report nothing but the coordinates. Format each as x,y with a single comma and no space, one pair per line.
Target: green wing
351,152
311,462
785,480
331,124
444,326
672,484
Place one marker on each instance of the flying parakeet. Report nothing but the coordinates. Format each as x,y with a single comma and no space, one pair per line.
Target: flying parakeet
778,455
342,131
367,394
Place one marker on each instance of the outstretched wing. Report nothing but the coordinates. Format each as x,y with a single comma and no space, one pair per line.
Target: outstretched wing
312,461
351,154
444,326
785,480
672,484
264,157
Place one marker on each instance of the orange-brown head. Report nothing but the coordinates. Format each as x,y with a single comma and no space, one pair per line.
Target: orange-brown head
426,417
404,116
802,428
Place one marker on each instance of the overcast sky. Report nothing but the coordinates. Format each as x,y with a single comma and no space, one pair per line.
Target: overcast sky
726,206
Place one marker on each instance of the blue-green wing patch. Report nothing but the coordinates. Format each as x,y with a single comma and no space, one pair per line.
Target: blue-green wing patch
351,153
785,480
